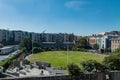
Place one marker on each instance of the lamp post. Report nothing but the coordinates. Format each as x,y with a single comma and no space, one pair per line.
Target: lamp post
32,43
67,51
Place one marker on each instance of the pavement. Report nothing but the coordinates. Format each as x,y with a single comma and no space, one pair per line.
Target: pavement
34,72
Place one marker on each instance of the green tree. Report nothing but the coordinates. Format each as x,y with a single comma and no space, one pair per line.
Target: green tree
91,64
81,43
96,46
36,49
59,42
26,44
35,44
74,70
113,61
105,50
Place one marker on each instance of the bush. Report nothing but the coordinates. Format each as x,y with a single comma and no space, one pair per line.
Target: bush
91,64
113,61
5,64
74,70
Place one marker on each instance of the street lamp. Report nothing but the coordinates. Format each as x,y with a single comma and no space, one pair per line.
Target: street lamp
32,43
67,51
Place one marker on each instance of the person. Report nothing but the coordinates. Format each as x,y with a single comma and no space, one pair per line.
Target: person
94,70
107,77
41,72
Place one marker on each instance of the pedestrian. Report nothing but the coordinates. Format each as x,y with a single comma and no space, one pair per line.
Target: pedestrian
41,72
107,77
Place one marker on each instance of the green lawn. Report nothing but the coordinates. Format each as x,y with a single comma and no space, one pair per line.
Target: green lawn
59,58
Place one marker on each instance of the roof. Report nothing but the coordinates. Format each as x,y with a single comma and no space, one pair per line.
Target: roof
7,47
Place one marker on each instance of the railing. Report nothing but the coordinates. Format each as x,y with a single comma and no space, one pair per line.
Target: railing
88,76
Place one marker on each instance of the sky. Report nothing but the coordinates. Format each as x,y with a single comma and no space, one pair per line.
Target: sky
81,17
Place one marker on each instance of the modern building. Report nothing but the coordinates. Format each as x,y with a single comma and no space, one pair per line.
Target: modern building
26,34
9,36
2,35
49,37
35,37
43,39
18,36
115,43
105,42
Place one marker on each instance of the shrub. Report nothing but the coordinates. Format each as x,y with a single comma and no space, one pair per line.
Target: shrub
91,64
36,50
74,70
113,61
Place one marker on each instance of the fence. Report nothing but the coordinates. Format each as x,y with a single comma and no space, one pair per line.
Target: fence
89,76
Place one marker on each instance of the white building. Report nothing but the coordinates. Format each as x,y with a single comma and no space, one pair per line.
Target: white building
105,42
8,49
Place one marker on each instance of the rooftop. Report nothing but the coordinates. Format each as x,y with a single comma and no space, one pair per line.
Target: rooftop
6,47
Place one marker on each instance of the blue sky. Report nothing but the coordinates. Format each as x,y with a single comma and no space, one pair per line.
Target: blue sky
81,17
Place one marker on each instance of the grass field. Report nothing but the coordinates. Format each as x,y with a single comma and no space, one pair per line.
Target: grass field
59,58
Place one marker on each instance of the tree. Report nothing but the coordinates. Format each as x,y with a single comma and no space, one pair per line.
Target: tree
35,44
26,44
113,61
36,49
105,50
96,46
59,42
91,64
81,43
74,70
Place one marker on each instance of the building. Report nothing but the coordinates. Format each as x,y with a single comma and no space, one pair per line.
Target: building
2,35
47,40
105,42
93,40
49,37
8,49
26,34
18,36
35,37
115,43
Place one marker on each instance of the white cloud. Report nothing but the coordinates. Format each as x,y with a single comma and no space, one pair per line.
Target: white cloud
76,5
